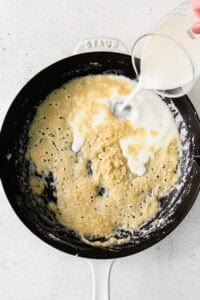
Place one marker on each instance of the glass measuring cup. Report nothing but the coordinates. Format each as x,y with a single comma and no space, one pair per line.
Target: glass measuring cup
180,54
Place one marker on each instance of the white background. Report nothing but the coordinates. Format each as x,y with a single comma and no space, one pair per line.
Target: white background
34,34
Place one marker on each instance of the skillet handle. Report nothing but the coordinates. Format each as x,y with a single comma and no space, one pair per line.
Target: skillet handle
97,44
101,278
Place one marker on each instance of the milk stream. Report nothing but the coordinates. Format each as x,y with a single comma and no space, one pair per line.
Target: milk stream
128,100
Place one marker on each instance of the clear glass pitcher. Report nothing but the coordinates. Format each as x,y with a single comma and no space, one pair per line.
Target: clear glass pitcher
180,53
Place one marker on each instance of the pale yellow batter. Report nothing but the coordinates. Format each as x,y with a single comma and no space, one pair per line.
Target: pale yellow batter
96,192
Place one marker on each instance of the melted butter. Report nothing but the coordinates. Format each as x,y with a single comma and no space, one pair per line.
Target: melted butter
97,193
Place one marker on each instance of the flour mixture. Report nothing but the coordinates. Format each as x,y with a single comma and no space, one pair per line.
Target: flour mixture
107,173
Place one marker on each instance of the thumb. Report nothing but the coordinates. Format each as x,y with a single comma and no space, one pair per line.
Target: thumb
196,28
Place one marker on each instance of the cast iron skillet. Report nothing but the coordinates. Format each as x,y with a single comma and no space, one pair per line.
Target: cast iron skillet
14,168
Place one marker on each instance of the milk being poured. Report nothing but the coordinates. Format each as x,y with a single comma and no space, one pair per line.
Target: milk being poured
165,65
170,59
163,69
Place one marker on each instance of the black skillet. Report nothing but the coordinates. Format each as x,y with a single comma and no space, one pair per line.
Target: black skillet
14,167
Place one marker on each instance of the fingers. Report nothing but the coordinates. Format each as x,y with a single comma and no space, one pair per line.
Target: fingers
196,6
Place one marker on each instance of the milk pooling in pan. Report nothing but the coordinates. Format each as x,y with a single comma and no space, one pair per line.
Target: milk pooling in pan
106,173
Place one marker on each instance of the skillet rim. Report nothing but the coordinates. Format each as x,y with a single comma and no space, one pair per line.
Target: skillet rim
94,252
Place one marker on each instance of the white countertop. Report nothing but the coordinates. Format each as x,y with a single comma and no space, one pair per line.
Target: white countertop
33,34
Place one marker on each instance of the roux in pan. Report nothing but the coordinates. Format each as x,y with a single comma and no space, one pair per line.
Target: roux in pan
107,173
